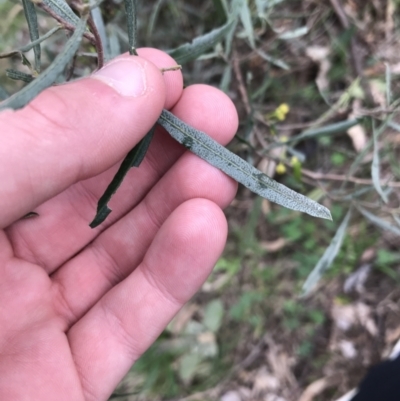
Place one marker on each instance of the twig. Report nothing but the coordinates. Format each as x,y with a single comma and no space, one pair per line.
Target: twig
338,177
65,24
242,87
99,43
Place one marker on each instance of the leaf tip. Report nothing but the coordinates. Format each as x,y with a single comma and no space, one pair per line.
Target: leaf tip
100,216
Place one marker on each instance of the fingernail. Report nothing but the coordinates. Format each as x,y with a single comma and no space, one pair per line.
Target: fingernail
125,75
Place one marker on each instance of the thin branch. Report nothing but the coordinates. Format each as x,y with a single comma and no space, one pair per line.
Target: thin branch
99,43
66,24
338,177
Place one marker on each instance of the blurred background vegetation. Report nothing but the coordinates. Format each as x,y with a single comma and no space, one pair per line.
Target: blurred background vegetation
328,71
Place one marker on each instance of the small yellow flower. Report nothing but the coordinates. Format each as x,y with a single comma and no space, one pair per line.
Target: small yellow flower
282,111
280,168
294,161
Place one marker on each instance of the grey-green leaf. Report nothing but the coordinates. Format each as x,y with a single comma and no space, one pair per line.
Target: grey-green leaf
63,10
19,75
375,167
190,51
328,257
384,225
48,77
330,129
207,149
31,45
131,19
31,18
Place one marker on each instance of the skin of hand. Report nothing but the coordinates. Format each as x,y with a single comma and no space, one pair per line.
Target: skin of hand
79,306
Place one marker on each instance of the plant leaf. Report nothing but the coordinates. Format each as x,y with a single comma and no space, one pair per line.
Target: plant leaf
19,75
277,62
131,19
327,258
3,93
375,166
48,77
31,45
132,159
31,18
63,10
242,7
207,149
330,129
384,225
190,51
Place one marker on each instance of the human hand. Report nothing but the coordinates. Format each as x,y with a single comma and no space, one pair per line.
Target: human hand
79,306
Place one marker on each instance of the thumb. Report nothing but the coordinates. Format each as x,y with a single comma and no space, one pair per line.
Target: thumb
74,131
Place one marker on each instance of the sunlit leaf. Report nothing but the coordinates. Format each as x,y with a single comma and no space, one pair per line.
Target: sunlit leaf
207,149
132,159
31,18
191,51
294,34
327,258
48,77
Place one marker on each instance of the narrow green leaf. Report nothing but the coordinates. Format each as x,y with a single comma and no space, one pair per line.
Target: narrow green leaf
63,10
327,258
245,18
19,75
131,19
142,147
384,225
3,93
40,40
48,77
153,18
207,149
132,159
277,62
375,167
31,18
190,51
336,128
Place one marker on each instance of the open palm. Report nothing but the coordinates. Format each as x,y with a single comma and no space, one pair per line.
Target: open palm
79,306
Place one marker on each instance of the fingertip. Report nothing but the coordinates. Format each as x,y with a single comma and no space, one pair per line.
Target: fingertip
193,238
173,79
201,100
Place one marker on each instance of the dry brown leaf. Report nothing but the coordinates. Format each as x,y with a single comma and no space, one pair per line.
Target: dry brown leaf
273,246
357,133
314,389
319,55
